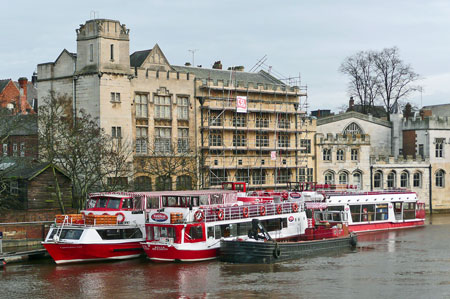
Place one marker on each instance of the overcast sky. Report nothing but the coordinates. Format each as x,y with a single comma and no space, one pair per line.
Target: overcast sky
306,38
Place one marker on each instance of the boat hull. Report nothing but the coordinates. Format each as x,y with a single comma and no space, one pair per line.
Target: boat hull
165,253
272,252
63,253
372,227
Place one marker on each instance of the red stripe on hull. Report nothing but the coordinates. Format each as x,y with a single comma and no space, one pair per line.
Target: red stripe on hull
69,253
369,227
170,253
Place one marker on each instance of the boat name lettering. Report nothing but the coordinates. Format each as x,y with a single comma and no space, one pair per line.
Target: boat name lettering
159,248
295,195
159,217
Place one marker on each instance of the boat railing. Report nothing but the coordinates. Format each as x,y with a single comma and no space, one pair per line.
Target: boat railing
364,193
250,211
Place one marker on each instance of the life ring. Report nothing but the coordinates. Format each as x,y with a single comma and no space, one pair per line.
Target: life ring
220,214
199,215
295,207
276,251
262,210
279,209
90,214
254,193
285,195
120,220
105,214
245,212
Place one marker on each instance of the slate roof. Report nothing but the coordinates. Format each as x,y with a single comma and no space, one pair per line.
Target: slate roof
138,57
22,168
19,125
215,74
3,84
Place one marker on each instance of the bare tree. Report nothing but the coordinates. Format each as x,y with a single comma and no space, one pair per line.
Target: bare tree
395,78
167,162
78,145
363,78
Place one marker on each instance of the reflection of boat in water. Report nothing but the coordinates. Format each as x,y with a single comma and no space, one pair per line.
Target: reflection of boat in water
259,247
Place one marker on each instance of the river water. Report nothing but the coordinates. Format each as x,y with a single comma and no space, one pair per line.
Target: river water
411,263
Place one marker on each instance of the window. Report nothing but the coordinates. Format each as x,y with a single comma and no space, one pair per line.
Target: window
215,138
391,180
440,178
259,176
5,149
239,120
262,139
183,108
305,175
14,187
22,149
117,182
340,155
283,176
262,120
215,119
378,179
162,107
184,182
217,176
305,145
112,52
183,140
354,154
352,129
327,154
14,149
159,232
116,132
239,139
142,183
163,183
141,140
439,144
357,179
284,121
404,179
343,178
91,52
163,139
141,101
283,140
115,97
195,233
115,234
329,177
417,180
421,151
242,175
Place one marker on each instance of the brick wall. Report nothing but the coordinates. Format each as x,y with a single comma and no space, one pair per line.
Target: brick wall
409,143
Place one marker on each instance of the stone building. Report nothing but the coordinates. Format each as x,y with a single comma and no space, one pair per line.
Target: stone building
165,110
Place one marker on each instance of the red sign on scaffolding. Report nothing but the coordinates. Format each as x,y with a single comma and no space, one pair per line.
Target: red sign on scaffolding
241,104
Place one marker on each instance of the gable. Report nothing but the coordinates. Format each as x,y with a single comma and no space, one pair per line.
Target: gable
156,60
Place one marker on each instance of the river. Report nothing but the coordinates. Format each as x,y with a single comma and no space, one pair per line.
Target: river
411,263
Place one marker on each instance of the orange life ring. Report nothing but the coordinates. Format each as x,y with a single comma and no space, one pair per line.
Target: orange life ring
279,209
118,219
245,212
220,214
105,214
295,207
199,215
262,210
83,214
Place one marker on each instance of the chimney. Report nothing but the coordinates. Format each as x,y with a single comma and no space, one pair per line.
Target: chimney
217,65
34,79
23,94
187,64
351,104
239,68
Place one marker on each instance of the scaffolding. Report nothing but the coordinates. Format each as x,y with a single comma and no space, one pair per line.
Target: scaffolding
240,146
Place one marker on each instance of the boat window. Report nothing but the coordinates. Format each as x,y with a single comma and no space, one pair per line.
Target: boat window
195,201
113,203
114,234
127,203
368,212
355,210
137,203
169,201
243,228
216,198
335,208
272,224
68,234
225,231
203,200
196,232
101,203
91,203
409,210
210,232
381,212
159,232
153,203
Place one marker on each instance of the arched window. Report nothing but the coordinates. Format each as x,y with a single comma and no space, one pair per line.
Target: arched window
353,129
404,179
340,155
142,183
440,178
417,179
163,183
329,177
327,154
391,179
184,182
378,179
357,179
343,178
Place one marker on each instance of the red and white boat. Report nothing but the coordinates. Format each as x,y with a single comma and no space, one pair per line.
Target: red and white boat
366,211
186,229
111,228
